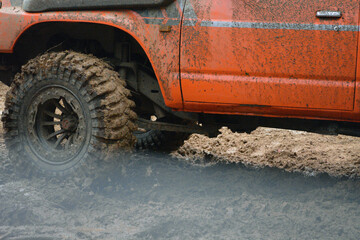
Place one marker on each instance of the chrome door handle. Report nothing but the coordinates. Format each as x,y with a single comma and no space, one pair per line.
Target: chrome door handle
328,14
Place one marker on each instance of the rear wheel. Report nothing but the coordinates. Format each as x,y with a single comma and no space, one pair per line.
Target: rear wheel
159,140
62,110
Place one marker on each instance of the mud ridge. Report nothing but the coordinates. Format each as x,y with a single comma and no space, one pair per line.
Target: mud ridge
293,151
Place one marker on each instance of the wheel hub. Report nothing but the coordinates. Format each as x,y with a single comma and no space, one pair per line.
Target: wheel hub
69,123
56,127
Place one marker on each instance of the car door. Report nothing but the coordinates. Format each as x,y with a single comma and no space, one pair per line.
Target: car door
278,53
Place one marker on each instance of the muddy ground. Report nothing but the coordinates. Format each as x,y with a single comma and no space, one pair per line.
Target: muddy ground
230,187
293,151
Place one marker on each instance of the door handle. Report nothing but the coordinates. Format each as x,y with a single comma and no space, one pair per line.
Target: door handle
328,14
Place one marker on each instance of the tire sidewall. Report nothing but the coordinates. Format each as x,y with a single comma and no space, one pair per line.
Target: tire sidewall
28,151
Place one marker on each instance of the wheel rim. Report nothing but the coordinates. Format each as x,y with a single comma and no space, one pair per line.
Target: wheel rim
56,127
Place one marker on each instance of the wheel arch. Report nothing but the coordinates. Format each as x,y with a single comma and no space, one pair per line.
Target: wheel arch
130,24
30,27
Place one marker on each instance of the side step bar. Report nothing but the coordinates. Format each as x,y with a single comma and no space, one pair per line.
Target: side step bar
170,127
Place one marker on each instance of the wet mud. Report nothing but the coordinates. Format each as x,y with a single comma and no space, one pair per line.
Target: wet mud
292,151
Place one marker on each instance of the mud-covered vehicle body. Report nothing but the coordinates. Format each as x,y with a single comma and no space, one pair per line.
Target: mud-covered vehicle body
86,76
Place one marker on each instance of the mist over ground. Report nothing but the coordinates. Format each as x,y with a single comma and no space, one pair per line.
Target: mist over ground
157,197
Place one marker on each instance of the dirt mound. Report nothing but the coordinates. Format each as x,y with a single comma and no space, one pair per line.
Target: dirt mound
293,151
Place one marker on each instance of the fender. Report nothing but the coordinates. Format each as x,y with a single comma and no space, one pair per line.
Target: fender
162,48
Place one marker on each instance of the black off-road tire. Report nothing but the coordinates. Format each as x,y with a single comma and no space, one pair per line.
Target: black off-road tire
160,140
101,121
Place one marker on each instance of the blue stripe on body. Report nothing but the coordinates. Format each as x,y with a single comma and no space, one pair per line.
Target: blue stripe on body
287,26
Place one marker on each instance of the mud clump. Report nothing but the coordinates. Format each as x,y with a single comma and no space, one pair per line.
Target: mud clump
293,151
